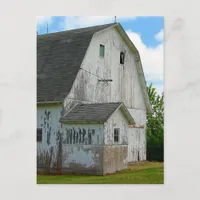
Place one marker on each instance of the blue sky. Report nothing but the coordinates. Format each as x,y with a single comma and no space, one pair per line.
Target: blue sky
145,32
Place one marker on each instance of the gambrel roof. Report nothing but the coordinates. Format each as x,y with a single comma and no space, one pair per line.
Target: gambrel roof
95,113
59,57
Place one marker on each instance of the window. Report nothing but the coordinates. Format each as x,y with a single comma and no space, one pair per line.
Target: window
102,50
116,135
39,135
122,57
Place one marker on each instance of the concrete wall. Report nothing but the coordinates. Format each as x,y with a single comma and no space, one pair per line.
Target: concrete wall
115,154
115,158
82,148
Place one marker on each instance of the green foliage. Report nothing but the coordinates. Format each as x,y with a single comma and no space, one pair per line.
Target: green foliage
155,126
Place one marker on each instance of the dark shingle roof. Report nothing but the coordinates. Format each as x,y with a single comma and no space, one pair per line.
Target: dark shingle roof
59,56
97,112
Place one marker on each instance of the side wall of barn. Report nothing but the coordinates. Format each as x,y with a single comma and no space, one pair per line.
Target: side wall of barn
67,148
83,148
125,85
115,153
48,150
137,137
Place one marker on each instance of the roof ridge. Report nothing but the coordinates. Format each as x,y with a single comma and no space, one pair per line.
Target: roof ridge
87,27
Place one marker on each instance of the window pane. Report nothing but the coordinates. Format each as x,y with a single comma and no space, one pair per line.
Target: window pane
102,50
116,135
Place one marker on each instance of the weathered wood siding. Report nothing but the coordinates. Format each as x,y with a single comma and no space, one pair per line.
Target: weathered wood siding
125,86
115,154
83,148
87,88
48,151
137,137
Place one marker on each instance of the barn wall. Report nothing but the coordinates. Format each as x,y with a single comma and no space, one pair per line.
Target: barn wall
82,148
125,86
68,148
115,154
117,120
137,137
115,158
48,151
82,134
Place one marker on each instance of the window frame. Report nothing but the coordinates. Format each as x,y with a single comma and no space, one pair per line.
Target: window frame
118,136
39,134
102,56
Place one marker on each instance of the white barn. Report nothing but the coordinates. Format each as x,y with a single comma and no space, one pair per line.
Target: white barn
92,101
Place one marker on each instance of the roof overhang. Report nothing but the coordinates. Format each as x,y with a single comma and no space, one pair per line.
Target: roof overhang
127,114
49,102
80,122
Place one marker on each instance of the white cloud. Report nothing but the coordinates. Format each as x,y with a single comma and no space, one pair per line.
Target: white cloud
84,21
43,20
152,59
160,36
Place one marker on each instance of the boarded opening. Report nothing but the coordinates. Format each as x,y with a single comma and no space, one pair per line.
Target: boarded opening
122,57
39,135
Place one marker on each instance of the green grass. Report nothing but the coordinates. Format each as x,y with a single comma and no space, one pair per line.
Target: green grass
140,173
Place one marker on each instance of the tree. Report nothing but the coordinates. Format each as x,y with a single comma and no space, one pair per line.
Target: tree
155,126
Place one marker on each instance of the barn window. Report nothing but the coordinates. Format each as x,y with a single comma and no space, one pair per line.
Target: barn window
116,135
39,135
102,50
122,57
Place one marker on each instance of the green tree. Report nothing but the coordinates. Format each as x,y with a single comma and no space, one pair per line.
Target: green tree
155,126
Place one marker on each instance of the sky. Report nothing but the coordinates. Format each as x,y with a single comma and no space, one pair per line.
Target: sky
146,33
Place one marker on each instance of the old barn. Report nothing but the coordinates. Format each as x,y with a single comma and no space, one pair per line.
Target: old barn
92,101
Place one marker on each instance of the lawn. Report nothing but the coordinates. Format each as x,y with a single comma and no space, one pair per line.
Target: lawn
140,173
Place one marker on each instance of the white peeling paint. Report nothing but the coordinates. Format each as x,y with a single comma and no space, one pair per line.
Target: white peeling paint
80,157
48,124
125,86
82,154
117,120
